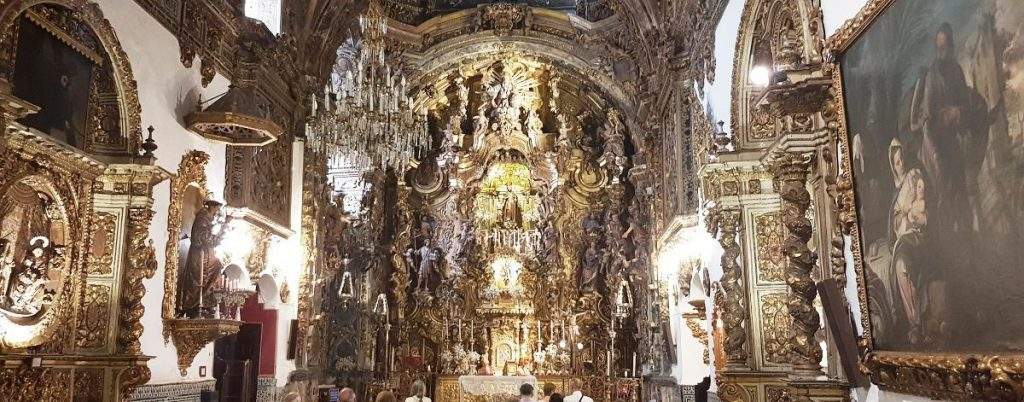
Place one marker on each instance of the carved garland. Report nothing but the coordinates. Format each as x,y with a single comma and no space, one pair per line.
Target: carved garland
191,172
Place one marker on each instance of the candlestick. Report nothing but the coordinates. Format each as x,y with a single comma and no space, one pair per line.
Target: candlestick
608,370
634,364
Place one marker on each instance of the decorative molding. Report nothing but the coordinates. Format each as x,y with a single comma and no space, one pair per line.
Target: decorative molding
848,33
266,388
768,239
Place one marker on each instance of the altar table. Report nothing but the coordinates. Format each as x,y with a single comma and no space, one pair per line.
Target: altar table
485,388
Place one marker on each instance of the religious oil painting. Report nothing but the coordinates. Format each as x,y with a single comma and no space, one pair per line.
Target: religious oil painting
54,76
935,101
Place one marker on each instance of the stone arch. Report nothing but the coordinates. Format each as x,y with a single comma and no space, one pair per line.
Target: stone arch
774,34
128,106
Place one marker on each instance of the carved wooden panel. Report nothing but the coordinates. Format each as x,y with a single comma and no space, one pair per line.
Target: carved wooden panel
101,250
774,328
94,318
768,238
259,178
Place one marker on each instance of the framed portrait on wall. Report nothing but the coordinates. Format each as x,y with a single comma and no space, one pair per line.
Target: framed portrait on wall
933,94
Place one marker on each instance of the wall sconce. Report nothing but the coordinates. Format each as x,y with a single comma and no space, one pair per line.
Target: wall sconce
346,292
381,306
760,75
698,292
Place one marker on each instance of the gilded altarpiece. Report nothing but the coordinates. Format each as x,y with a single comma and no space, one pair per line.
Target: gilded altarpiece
75,243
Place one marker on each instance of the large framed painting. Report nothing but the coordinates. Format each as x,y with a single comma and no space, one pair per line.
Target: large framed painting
934,140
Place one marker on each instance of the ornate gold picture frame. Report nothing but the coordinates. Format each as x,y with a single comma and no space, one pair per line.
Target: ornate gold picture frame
903,354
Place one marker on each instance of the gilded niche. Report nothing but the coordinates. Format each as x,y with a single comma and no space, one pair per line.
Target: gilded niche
34,260
188,191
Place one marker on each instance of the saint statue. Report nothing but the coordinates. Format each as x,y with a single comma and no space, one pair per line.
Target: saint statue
479,127
201,267
590,266
428,257
511,213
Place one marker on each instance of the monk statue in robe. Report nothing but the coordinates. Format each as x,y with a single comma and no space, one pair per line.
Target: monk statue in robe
200,269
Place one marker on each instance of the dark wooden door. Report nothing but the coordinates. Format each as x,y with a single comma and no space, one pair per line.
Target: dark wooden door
235,364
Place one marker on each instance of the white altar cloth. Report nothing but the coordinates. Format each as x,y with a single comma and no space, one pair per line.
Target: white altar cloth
493,388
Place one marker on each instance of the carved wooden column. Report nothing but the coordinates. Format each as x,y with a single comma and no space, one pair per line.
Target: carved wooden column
725,224
791,170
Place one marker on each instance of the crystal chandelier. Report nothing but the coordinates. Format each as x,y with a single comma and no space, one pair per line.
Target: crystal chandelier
369,120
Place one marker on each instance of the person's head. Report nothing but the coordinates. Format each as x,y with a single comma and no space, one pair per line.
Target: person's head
386,396
526,390
575,385
549,389
347,395
555,397
896,163
944,41
418,388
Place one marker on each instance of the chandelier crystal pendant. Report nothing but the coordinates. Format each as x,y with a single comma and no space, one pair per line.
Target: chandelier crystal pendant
369,119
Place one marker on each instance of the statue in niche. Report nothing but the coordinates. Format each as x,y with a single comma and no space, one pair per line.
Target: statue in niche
549,239
590,266
614,155
511,213
463,92
454,137
479,127
428,264
464,245
26,291
534,127
28,250
201,269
